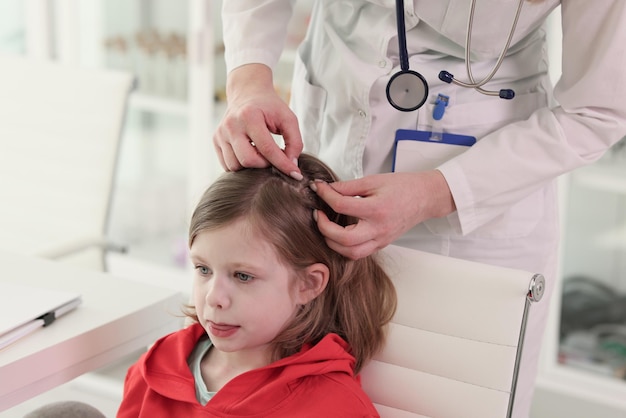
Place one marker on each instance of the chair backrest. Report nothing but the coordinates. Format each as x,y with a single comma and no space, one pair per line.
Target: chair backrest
454,344
59,137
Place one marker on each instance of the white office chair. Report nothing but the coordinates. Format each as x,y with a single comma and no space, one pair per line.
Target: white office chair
454,345
59,138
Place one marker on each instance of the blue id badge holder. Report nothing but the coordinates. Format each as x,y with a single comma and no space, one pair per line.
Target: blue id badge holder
416,150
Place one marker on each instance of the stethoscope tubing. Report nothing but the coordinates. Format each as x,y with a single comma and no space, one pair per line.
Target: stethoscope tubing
404,53
468,49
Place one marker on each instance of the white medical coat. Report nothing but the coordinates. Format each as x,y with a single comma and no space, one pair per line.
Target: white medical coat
504,185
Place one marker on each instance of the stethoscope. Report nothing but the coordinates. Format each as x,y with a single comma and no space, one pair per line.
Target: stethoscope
407,90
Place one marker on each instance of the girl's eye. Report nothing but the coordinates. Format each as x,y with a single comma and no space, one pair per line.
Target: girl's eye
204,270
243,277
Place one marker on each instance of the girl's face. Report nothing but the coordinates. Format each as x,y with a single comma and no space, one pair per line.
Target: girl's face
243,294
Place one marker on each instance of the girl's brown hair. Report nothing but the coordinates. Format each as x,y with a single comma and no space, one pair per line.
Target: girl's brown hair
359,299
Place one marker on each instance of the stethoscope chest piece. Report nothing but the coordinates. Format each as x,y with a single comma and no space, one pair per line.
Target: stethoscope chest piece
407,90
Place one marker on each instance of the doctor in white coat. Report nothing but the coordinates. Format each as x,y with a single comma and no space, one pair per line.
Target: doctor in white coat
496,201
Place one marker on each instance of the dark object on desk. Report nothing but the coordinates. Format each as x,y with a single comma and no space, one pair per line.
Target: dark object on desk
588,302
67,409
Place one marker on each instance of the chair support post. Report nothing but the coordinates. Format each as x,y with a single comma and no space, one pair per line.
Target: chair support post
535,293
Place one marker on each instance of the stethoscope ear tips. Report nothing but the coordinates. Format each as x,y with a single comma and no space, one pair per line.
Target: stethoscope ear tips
446,77
506,94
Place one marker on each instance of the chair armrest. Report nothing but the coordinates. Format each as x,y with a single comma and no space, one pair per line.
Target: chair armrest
82,244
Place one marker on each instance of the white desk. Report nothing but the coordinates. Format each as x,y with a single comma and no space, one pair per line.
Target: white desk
116,318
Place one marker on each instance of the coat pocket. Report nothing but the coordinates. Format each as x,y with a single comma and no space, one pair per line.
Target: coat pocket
309,107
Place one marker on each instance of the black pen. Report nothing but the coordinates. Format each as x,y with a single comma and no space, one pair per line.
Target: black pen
42,321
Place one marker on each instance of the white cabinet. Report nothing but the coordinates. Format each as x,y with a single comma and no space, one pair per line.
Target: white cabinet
584,354
593,292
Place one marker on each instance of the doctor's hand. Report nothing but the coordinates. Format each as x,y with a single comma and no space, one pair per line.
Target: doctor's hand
387,206
255,112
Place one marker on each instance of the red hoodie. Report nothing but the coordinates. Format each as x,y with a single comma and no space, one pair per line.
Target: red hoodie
318,382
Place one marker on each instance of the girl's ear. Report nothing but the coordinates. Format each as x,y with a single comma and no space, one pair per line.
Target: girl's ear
314,282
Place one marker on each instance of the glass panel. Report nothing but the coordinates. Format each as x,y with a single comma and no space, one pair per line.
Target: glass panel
12,28
150,208
593,313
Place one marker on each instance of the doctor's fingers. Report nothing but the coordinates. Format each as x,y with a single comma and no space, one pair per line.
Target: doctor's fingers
232,142
286,124
237,154
267,147
353,241
264,118
364,186
340,202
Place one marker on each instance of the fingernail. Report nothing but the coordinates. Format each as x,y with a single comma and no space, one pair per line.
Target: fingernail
296,175
315,214
313,186
295,161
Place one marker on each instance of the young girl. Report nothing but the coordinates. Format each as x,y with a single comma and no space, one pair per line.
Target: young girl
282,323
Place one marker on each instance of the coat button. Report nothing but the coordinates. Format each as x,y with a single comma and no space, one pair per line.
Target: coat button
362,113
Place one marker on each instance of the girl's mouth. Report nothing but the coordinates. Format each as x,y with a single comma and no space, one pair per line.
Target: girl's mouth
221,330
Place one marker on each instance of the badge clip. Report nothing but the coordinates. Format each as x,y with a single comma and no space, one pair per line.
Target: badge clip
440,107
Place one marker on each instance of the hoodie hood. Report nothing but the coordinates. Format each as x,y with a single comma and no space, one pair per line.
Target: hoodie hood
277,387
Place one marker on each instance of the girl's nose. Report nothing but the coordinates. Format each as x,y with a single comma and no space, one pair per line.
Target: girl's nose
218,293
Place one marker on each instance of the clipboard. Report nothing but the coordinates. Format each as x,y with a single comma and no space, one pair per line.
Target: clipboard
417,150
24,309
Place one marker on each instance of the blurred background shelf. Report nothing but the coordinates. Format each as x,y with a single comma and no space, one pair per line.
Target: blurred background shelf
159,105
